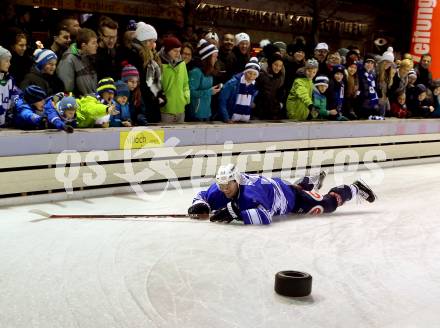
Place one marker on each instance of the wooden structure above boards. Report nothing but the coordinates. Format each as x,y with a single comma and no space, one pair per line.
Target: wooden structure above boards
164,10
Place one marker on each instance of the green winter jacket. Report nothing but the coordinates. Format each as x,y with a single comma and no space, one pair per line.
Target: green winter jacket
176,87
89,110
299,99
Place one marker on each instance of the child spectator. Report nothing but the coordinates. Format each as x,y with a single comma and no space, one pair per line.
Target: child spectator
130,75
299,102
93,113
123,118
29,109
76,68
43,73
61,114
368,98
399,108
436,94
422,106
201,81
270,84
335,93
8,89
320,98
174,82
237,96
105,92
411,90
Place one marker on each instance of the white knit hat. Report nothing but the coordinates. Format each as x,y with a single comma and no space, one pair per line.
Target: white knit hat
253,65
145,32
5,53
388,55
240,37
321,46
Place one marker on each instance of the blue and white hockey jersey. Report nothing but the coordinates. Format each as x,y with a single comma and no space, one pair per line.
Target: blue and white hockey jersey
259,198
8,93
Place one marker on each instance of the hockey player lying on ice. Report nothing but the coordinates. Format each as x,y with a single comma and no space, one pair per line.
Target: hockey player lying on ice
254,199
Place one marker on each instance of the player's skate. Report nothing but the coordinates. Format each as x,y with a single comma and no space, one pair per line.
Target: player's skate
364,191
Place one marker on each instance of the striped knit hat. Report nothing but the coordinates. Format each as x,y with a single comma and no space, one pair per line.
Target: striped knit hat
43,56
412,72
128,71
206,49
106,85
321,80
253,65
33,94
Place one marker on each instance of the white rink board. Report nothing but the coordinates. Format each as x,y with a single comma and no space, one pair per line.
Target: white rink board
373,265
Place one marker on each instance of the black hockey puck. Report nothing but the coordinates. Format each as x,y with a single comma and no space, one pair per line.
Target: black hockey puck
293,283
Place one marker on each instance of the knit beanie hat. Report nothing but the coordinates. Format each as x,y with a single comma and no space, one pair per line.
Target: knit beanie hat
276,56
435,83
122,89
338,69
350,61
369,57
131,26
321,46
311,63
128,71
212,35
206,49
33,94
5,53
171,43
321,80
412,72
240,37
253,65
420,88
280,45
145,32
106,85
43,56
66,103
388,55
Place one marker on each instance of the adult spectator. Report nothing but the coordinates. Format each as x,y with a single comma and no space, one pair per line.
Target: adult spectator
124,51
385,75
320,54
400,79
424,75
174,81
76,68
144,57
72,26
21,63
226,59
187,53
61,41
241,52
43,74
106,55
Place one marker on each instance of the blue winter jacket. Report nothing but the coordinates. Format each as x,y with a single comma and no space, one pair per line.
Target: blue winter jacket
228,97
200,90
124,115
53,116
26,117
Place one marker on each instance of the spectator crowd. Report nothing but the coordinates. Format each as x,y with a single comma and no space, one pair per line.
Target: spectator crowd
116,77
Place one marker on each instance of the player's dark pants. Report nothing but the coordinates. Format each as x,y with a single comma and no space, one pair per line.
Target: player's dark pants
313,203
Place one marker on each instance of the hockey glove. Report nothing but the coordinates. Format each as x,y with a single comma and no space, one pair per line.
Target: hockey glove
226,214
199,208
68,128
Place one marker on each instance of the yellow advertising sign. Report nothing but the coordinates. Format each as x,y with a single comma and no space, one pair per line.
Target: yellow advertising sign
136,139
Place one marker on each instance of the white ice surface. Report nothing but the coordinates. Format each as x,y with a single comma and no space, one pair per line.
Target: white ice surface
373,265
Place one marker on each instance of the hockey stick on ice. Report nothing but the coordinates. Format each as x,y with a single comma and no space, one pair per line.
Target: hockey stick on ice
48,216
